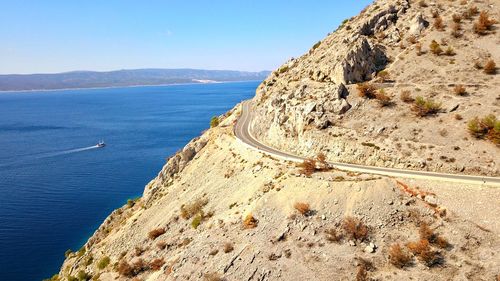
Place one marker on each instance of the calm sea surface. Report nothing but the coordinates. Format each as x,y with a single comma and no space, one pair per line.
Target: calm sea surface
56,188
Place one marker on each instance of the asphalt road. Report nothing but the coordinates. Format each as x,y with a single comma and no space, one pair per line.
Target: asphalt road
243,133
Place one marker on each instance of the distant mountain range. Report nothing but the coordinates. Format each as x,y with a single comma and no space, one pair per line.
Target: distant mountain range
122,78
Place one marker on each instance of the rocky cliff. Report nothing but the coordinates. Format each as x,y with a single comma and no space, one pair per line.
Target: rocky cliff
220,210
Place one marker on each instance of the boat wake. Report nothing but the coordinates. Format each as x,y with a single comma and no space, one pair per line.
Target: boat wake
28,159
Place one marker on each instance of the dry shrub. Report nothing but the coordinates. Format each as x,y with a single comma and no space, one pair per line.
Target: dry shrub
487,127
383,75
131,270
424,252
418,48
308,167
321,157
435,48
406,97
412,39
303,208
156,264
424,107
422,4
333,235
456,18
458,117
228,247
355,229
455,30
490,67
398,257
438,23
449,51
442,243
483,24
250,222
460,90
190,210
383,99
426,233
155,233
362,274
366,90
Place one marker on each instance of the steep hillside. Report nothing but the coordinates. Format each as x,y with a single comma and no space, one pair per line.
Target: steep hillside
313,102
221,210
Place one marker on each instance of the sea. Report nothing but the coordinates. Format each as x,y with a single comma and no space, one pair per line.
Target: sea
56,186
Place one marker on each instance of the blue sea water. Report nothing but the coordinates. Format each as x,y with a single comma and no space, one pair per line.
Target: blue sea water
56,188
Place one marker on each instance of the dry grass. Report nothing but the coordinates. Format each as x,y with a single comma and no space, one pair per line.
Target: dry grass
362,274
449,51
302,208
131,270
366,90
355,229
456,18
383,99
323,164
384,75
250,222
307,167
333,235
156,264
424,107
438,23
228,247
487,127
192,209
212,277
155,233
460,90
424,252
418,48
490,67
435,48
483,24
398,257
456,27
406,97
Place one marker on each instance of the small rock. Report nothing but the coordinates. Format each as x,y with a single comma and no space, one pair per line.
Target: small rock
323,217
352,243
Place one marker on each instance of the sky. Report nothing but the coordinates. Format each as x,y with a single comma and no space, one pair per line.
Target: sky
250,35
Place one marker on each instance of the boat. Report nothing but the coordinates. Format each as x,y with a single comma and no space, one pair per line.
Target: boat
101,144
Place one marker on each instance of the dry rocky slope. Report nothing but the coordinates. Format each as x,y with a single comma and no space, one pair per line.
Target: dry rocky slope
219,210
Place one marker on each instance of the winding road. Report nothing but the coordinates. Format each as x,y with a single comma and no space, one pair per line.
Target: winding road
243,133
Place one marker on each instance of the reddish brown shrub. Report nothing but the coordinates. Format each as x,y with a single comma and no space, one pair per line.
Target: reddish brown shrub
155,233
456,18
125,269
250,222
438,23
156,264
228,247
460,90
322,161
425,253
308,167
362,274
398,257
483,24
366,90
406,97
455,30
383,99
355,229
490,67
303,208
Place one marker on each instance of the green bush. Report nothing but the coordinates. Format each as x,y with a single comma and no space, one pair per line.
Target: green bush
487,127
103,262
83,276
214,122
54,277
68,253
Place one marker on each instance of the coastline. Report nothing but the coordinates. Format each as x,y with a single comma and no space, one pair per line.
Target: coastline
130,86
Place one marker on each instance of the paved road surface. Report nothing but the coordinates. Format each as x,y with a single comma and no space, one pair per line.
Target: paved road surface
243,133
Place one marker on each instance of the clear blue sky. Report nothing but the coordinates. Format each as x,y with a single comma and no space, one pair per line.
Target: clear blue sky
63,35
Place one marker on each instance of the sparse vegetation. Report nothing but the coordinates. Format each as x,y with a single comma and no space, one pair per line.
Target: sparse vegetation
333,235
422,4
250,222
449,51
212,277
424,107
214,122
155,233
322,161
406,97
156,264
490,67
366,90
398,257
307,167
131,270
355,229
103,262
438,23
302,208
456,27
487,127
424,252
190,210
435,48
383,99
483,24
228,247
383,75
460,90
